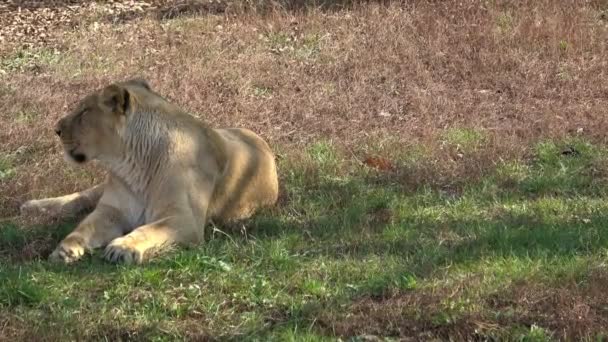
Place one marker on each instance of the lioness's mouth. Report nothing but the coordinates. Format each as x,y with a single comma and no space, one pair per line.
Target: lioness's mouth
77,156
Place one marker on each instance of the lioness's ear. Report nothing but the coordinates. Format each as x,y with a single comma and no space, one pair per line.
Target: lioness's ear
116,98
140,82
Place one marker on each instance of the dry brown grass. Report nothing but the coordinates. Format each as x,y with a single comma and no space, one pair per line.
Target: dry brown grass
571,311
519,71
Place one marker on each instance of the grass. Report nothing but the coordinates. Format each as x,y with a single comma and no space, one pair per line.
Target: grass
341,244
22,60
446,183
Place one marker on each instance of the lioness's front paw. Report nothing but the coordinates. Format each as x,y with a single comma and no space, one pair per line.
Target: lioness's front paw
124,249
69,250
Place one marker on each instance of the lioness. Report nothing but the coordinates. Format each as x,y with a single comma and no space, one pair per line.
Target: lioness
168,173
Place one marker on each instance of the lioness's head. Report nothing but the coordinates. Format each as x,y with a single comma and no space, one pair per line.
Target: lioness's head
94,127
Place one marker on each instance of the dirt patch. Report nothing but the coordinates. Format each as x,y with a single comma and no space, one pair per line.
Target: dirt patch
571,312
12,328
406,315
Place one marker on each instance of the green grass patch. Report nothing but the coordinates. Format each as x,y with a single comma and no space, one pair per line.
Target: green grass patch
7,167
345,254
23,60
464,139
504,22
303,46
261,91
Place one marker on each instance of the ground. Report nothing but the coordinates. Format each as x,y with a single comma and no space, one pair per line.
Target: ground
443,165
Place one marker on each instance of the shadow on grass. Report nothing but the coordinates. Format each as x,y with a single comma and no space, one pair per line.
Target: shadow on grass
19,244
357,218
358,227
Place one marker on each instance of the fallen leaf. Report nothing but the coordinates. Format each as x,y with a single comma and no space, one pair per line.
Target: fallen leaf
379,163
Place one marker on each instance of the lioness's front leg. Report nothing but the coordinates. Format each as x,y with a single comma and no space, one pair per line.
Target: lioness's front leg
64,206
135,246
103,225
176,217
116,213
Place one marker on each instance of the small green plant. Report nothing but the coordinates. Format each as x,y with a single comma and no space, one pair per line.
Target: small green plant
315,288
279,42
563,73
262,91
309,46
305,46
564,46
407,281
25,116
536,334
504,22
7,169
323,153
464,139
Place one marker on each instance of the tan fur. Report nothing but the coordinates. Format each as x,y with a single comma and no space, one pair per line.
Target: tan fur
168,173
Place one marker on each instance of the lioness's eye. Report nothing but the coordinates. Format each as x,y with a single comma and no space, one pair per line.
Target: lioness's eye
80,115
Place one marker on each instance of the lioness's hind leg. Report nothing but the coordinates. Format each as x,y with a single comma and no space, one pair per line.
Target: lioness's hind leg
64,206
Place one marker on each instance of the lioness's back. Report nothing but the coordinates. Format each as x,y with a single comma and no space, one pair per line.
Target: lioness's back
249,180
